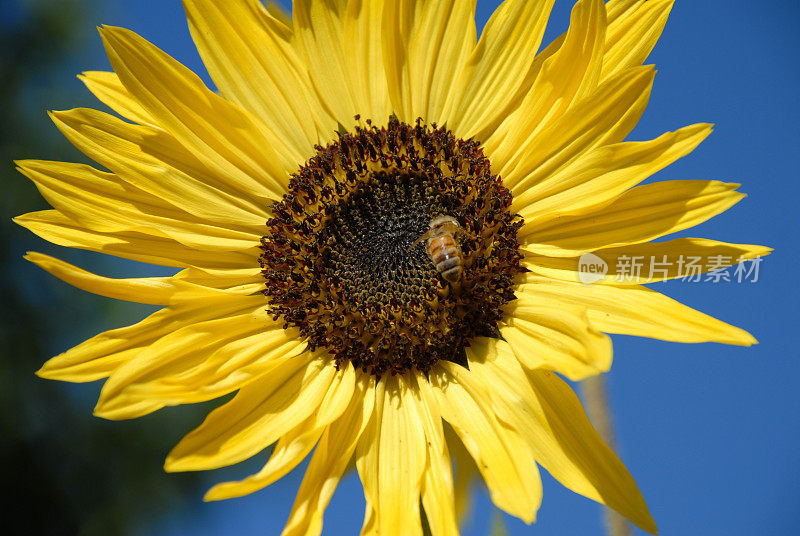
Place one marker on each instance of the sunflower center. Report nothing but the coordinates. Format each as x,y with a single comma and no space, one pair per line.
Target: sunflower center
393,249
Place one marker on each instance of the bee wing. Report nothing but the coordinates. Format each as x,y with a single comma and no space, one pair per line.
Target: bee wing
424,236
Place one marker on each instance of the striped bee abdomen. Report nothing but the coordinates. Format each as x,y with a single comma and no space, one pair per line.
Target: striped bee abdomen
446,255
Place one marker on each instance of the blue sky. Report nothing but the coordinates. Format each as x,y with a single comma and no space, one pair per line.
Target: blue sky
710,432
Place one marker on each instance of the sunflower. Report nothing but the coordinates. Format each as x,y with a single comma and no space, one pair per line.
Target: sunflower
298,204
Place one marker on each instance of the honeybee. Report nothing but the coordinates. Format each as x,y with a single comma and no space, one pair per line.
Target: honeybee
443,248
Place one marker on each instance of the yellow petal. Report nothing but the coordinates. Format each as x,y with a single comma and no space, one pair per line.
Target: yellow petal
153,290
465,477
525,463
545,411
58,229
607,116
636,311
466,406
557,338
330,460
151,160
438,495
318,33
617,8
226,138
102,202
289,451
99,356
241,281
572,430
296,444
366,458
363,47
260,413
497,74
568,75
425,46
200,362
657,261
641,214
634,34
107,87
280,13
391,459
605,173
618,12
250,56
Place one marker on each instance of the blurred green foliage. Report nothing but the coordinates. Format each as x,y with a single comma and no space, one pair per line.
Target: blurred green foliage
67,472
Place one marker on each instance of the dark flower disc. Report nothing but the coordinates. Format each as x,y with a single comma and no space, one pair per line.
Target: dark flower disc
336,255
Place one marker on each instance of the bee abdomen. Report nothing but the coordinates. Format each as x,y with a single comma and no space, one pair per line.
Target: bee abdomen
452,275
446,256
443,249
